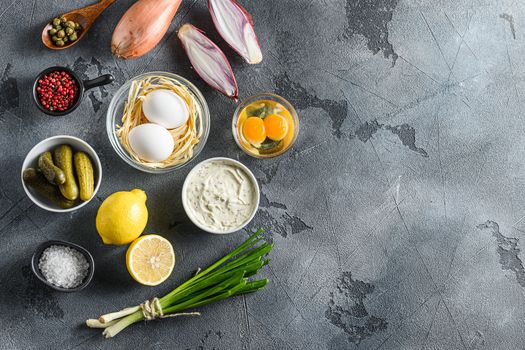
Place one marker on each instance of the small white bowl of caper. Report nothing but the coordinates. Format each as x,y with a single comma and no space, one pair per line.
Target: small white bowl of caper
61,174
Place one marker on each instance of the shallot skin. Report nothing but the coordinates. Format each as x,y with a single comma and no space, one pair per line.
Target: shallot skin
142,27
235,25
208,60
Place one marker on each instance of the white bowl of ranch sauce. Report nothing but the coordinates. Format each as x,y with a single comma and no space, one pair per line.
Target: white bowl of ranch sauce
220,195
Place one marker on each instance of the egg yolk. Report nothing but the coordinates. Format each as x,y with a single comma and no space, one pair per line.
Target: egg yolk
253,130
276,127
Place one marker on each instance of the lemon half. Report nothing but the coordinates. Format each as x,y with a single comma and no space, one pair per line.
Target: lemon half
150,259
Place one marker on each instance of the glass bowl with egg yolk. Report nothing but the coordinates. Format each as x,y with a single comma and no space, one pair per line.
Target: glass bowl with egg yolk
265,125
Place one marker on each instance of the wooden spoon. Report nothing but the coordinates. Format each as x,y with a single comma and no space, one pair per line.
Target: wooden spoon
84,16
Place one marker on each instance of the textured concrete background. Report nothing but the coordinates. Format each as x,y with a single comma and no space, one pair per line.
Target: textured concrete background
398,217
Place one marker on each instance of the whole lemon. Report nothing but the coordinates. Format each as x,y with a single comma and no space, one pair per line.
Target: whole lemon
122,217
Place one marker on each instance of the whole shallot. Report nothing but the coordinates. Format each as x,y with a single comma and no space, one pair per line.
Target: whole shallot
142,27
208,60
235,25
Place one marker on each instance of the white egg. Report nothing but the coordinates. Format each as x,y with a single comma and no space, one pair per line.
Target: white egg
166,108
151,142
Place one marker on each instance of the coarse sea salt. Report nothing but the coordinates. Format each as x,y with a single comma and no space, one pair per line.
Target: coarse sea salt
63,266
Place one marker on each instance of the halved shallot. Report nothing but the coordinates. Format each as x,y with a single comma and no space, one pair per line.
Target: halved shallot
235,25
208,60
142,27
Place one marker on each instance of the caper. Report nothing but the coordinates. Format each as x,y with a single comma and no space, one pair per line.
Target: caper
70,24
73,37
58,27
56,22
54,38
59,42
65,39
69,31
52,31
77,26
63,19
61,33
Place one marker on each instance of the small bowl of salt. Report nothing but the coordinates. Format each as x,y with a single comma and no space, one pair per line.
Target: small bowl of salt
63,266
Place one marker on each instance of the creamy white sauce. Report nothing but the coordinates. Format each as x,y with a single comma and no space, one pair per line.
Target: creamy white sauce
220,195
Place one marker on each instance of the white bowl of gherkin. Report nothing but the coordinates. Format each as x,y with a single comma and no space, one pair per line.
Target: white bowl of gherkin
61,174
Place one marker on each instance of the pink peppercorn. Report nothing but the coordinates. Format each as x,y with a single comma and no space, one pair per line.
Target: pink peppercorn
57,91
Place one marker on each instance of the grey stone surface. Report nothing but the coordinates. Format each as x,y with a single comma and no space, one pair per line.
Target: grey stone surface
398,217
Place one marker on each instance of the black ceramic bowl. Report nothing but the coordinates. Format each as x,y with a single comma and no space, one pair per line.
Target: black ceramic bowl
83,86
38,253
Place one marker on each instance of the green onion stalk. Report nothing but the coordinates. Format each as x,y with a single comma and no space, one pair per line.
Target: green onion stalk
227,277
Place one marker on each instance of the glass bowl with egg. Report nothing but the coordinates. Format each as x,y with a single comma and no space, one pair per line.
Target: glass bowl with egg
265,125
158,122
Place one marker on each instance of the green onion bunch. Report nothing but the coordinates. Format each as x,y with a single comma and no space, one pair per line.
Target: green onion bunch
227,277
